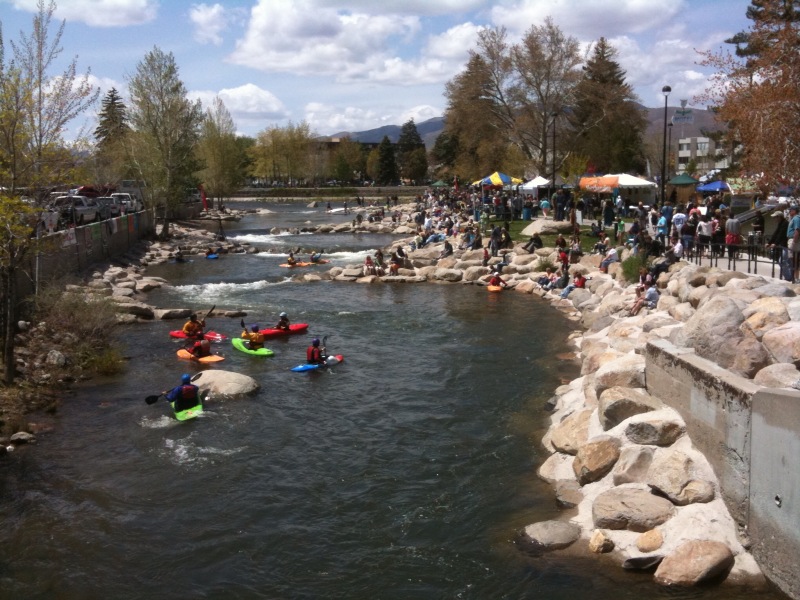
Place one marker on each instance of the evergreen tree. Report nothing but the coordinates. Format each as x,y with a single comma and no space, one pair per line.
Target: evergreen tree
413,163
387,165
608,124
112,120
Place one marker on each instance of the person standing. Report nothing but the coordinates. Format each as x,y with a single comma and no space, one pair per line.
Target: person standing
793,241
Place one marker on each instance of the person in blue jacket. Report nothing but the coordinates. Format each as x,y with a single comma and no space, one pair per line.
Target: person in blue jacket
184,396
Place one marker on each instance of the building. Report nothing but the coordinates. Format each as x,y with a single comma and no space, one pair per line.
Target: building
705,153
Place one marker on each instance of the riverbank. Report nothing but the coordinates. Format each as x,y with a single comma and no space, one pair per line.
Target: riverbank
619,342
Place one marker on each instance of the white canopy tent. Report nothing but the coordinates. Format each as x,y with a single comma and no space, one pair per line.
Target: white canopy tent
537,182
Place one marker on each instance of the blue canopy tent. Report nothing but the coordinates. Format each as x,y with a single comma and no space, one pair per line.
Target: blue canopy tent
714,186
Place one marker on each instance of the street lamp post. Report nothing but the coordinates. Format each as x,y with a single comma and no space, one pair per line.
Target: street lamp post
669,152
554,115
665,90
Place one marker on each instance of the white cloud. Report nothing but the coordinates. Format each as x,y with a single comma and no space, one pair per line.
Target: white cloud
99,13
410,7
209,22
251,107
326,119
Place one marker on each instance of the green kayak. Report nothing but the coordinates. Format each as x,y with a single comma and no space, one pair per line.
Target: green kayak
242,346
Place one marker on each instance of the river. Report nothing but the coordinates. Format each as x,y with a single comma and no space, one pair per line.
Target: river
403,473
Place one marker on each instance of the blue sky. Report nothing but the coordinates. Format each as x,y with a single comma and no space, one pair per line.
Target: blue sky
359,64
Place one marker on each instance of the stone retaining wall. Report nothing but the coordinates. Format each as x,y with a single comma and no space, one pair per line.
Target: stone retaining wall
751,436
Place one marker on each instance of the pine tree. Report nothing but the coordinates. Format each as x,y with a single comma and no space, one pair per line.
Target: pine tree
112,120
608,124
387,165
413,164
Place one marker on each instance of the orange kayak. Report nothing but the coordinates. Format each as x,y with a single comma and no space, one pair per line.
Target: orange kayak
186,355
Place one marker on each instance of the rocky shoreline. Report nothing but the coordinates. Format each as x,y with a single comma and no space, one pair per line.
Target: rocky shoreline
631,482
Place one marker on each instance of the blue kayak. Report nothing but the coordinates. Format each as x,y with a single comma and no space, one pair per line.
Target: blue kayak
212,255
330,361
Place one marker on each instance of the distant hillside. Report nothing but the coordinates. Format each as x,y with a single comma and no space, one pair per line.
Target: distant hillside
429,130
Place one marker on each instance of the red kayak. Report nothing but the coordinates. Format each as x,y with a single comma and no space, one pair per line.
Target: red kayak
293,328
211,336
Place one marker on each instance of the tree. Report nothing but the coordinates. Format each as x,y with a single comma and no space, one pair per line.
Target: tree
387,165
411,156
608,124
165,133
54,100
111,135
219,152
285,154
348,161
756,91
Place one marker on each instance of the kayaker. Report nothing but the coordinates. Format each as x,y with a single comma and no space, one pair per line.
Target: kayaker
184,396
496,280
291,261
315,258
255,340
314,354
194,328
284,322
201,348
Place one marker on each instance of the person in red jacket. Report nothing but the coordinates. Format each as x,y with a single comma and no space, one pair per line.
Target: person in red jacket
314,354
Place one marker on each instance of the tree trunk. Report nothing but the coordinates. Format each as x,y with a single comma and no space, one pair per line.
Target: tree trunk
9,293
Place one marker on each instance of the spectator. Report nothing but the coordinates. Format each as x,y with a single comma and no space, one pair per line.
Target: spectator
646,299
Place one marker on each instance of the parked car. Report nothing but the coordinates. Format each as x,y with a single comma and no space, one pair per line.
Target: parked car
76,210
129,203
109,207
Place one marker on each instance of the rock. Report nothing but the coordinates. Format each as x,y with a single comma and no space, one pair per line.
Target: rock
148,283
451,275
171,313
713,331
568,435
474,273
641,563
23,437
600,543
550,535
619,403
750,356
56,358
650,541
556,468
135,308
777,376
633,465
724,277
226,383
121,292
695,562
776,290
578,296
655,432
681,312
783,343
595,459
672,475
626,371
630,508
568,493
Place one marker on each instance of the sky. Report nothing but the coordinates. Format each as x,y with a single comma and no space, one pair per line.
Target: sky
354,65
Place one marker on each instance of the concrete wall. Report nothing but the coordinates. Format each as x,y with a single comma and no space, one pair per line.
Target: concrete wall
751,436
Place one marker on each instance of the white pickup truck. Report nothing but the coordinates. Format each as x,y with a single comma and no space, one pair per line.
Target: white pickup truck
76,210
129,203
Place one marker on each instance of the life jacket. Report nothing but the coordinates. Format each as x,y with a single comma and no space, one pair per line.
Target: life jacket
188,398
313,355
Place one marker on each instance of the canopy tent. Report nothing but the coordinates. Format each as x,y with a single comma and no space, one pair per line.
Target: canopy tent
714,186
439,184
534,183
608,183
683,179
498,179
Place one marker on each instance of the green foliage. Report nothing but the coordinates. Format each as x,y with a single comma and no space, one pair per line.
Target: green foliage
631,266
411,156
387,165
544,264
220,153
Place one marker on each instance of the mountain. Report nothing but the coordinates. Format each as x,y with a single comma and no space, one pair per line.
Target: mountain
429,130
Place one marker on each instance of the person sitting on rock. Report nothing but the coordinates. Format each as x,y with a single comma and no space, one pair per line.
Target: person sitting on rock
647,299
369,267
534,243
194,328
611,257
447,250
579,282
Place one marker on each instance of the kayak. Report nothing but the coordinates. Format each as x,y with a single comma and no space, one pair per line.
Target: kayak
297,264
211,336
293,328
495,288
186,355
190,413
242,346
212,256
329,362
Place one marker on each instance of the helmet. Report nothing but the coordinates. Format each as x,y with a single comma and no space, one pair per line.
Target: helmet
186,378
255,328
192,316
283,314
315,342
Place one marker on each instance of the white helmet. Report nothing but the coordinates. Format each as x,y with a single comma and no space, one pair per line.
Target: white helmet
283,314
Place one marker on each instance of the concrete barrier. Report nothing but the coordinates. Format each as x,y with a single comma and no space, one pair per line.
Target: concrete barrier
751,436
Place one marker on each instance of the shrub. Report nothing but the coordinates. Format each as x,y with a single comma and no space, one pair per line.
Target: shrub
631,266
543,264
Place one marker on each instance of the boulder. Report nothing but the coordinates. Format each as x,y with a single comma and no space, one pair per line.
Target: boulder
557,467
595,459
550,535
671,474
23,437
633,465
724,277
148,283
630,508
713,331
626,371
764,314
650,541
600,543
777,376
776,290
474,273
226,383
750,356
568,493
783,343
695,562
56,358
172,313
135,308
451,275
568,435
655,432
578,296
619,403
